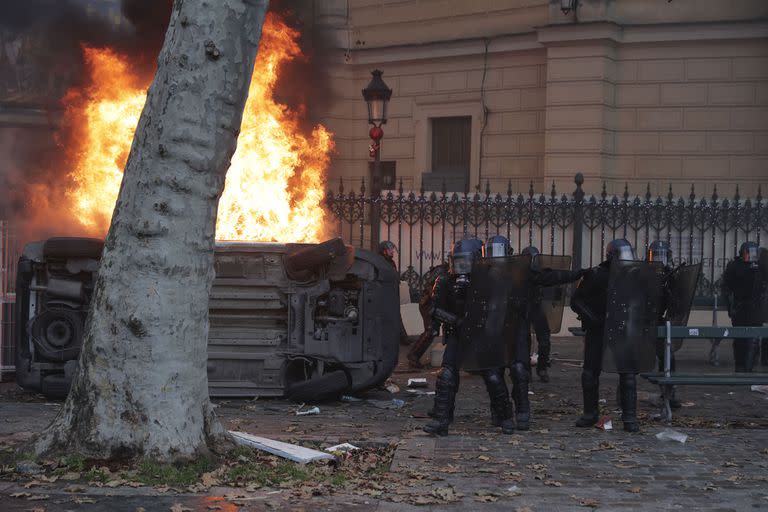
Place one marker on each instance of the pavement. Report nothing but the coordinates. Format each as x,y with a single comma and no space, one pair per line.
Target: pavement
553,467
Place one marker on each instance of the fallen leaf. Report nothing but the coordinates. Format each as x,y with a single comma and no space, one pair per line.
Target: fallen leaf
523,509
552,483
214,507
624,481
484,458
587,502
115,483
20,495
70,476
634,490
178,507
38,497
140,509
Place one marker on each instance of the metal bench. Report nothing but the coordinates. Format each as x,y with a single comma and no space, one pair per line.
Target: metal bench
667,379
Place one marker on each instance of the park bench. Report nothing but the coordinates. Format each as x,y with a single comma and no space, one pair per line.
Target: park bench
667,378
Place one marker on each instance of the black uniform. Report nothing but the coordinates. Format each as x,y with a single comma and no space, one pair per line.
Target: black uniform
589,301
520,370
449,296
742,291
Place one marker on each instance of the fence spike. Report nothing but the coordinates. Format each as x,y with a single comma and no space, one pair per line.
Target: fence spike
341,186
421,188
401,186
488,187
647,192
509,188
692,197
554,192
737,196
759,193
626,191
670,196
714,193
445,188
530,189
362,188
604,192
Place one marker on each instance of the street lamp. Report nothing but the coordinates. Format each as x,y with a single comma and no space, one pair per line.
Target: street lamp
376,97
567,5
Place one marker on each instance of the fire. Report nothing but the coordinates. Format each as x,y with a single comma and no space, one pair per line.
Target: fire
274,186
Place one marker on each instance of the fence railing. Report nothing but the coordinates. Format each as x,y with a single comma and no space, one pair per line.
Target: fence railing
425,224
9,254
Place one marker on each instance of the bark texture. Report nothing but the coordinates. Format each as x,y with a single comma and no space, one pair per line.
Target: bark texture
142,386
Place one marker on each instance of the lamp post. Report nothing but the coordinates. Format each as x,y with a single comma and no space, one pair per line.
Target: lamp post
376,96
568,5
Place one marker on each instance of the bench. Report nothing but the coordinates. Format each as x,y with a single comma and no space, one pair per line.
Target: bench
667,379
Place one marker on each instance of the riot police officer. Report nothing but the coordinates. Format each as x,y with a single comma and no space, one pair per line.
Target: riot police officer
425,308
540,326
449,296
520,369
660,251
742,289
589,301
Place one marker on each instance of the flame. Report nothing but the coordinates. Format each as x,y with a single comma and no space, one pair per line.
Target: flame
274,187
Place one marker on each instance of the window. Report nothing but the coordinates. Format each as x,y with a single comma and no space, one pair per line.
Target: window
451,145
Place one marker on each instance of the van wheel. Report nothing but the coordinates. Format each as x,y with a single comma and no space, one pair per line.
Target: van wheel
324,387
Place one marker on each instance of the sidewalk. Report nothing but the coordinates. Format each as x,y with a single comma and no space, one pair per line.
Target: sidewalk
553,467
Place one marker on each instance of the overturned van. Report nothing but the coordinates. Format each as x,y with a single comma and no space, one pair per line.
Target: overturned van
305,321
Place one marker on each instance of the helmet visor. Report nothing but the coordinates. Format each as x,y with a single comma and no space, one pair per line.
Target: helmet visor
624,253
660,255
751,254
497,250
462,263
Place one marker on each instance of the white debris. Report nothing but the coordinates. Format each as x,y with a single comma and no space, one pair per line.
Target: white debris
419,382
286,450
671,435
343,447
308,412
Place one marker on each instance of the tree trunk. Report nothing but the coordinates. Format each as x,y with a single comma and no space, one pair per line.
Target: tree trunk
142,388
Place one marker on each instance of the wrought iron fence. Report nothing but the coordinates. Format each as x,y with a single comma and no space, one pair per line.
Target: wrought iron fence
424,225
9,254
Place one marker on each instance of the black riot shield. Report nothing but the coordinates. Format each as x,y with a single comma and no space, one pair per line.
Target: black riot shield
496,299
682,287
763,274
634,297
553,297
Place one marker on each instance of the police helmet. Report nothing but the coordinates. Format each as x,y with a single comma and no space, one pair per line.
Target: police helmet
750,252
531,251
498,247
619,249
660,251
464,254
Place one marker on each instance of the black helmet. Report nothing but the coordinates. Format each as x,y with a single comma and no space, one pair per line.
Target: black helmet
531,251
619,249
498,247
750,253
464,254
660,251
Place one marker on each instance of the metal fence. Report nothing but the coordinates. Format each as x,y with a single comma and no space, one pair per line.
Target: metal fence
424,225
9,254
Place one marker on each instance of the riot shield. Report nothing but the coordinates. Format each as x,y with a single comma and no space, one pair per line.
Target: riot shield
553,297
632,313
496,299
682,287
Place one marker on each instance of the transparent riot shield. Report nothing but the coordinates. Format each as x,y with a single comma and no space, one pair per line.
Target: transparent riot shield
632,313
553,297
495,302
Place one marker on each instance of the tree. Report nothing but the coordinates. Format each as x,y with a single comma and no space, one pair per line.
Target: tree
142,388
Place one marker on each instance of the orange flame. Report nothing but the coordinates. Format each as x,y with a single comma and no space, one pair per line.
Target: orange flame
274,186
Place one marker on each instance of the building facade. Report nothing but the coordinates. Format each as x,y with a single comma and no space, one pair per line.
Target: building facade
666,92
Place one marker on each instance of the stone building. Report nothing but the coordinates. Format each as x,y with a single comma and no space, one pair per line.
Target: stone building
639,91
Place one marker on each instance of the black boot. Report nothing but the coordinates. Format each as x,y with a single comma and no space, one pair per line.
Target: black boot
628,395
590,390
445,395
417,349
501,410
520,380
542,372
544,362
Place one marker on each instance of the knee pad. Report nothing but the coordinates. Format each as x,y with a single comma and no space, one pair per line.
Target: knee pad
519,370
447,374
493,377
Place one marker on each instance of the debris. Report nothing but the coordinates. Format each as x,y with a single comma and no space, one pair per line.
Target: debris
602,401
309,412
20,495
604,423
760,389
178,507
587,502
671,435
420,392
392,387
688,404
514,490
419,382
83,500
343,447
348,398
395,403
289,451
28,468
